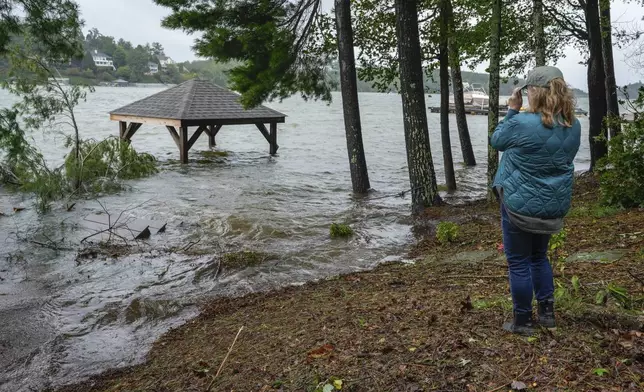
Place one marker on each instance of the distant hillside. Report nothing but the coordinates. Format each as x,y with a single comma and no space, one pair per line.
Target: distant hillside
632,90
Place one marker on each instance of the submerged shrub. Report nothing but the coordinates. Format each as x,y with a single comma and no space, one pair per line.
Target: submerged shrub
447,232
339,230
107,161
101,167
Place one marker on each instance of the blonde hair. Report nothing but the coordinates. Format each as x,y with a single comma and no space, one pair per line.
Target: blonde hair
555,103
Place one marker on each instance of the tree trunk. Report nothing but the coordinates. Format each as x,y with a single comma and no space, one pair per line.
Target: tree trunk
539,34
350,105
448,161
495,84
422,176
609,68
596,85
457,86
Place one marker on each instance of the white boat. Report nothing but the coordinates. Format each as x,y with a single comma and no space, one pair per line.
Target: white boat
474,95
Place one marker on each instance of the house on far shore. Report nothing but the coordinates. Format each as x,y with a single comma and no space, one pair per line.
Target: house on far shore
101,60
153,68
165,61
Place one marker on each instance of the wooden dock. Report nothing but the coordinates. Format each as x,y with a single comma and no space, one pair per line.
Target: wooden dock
483,111
473,110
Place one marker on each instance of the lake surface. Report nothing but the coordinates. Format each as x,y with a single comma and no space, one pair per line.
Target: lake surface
64,318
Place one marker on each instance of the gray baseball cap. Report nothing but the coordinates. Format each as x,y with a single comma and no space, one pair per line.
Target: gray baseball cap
541,76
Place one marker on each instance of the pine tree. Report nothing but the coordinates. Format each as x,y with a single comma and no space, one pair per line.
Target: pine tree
422,176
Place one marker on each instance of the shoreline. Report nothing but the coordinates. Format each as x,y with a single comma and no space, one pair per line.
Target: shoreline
434,324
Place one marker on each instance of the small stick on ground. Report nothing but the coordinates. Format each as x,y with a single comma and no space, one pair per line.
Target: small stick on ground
518,377
225,358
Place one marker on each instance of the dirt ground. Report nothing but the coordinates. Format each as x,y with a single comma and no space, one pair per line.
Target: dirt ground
431,325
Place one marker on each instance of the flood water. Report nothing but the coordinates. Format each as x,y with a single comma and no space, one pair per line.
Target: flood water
63,318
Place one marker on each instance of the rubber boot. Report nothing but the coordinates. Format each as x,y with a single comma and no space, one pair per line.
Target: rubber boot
522,324
547,314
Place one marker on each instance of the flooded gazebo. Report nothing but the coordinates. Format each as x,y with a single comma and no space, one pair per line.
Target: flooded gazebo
198,104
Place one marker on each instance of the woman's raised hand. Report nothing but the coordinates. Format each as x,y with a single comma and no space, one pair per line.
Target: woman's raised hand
516,100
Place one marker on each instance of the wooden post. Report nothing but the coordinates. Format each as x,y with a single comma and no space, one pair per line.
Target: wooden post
130,131
212,131
183,144
122,129
273,137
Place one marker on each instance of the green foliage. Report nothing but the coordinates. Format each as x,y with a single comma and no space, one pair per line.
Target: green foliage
339,230
54,26
447,232
622,170
556,253
617,293
375,34
601,372
44,103
275,42
596,211
100,165
568,296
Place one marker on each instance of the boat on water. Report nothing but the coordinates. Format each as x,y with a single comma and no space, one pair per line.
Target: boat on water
477,102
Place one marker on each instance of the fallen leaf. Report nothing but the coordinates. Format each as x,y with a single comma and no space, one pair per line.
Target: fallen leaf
518,386
465,361
412,349
202,370
327,388
320,352
337,384
600,372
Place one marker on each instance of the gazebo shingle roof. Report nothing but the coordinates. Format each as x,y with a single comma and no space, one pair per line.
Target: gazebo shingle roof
197,100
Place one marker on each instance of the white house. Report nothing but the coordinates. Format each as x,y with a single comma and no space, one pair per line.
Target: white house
102,60
165,61
153,67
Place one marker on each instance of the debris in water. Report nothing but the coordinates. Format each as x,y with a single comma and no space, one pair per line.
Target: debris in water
110,226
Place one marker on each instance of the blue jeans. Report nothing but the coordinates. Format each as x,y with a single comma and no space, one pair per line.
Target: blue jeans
528,264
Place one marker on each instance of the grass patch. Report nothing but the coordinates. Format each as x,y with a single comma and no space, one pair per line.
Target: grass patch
340,230
214,154
492,303
244,259
596,211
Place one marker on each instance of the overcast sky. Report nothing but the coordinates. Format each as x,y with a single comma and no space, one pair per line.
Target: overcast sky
139,21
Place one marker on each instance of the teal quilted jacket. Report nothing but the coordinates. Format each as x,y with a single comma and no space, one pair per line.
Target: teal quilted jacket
536,170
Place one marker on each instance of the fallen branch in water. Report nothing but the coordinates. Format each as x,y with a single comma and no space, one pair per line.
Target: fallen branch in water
190,245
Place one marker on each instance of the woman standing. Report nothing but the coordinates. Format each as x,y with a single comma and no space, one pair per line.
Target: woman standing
534,183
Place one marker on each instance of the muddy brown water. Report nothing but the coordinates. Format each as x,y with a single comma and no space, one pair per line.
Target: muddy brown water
63,319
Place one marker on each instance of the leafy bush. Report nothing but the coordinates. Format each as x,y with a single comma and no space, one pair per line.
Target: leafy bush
101,167
447,232
103,163
339,230
622,171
